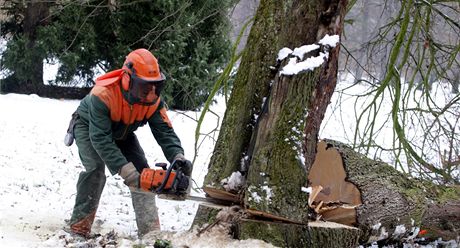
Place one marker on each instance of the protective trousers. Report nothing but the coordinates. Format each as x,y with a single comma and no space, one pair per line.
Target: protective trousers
91,183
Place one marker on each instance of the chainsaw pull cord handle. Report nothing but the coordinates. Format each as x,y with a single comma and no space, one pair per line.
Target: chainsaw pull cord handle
168,174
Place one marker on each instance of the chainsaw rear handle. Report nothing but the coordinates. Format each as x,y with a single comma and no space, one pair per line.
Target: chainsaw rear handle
168,173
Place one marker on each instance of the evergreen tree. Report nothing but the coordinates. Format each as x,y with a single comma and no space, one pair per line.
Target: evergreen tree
189,38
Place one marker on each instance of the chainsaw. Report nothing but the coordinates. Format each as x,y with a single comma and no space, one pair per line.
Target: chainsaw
171,183
170,180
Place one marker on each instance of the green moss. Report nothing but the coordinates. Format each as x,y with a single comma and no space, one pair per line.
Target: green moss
278,234
205,216
447,193
250,87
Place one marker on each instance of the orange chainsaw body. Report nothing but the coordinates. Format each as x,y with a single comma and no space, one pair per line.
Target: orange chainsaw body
152,179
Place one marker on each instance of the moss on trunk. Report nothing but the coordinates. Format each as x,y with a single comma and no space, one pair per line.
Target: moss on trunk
278,169
251,86
269,135
316,234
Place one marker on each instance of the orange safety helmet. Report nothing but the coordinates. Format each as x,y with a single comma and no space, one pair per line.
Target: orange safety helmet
146,79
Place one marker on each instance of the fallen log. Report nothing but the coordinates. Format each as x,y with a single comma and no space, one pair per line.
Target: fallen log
390,206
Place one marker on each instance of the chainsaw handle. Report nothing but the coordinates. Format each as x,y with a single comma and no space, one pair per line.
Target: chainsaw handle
162,165
166,178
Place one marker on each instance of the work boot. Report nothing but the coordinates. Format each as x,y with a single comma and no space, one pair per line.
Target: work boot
83,226
146,212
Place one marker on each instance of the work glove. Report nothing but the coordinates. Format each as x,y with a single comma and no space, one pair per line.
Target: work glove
184,164
130,175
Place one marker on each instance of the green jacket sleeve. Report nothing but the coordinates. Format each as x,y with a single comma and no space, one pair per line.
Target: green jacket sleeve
100,131
164,134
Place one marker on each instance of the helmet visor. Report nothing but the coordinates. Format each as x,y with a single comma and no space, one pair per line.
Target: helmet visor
144,91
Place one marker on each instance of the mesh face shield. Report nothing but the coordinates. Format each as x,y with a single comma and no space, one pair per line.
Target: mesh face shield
145,92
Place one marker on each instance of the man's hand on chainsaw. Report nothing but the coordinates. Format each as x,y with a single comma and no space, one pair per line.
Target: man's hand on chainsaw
130,175
184,164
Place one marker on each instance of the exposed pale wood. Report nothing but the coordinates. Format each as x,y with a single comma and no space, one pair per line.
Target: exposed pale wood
221,195
328,171
394,206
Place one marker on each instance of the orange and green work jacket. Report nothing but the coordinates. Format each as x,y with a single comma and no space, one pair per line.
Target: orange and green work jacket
111,117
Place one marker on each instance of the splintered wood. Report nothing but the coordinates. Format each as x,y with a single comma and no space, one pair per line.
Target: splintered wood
332,197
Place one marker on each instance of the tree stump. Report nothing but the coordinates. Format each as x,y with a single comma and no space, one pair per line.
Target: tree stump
315,234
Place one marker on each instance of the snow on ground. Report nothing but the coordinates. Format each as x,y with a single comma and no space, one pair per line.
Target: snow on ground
39,173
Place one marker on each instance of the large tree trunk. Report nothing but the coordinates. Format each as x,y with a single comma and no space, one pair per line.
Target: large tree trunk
271,125
251,86
269,140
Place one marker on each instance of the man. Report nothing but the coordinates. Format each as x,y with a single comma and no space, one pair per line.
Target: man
120,102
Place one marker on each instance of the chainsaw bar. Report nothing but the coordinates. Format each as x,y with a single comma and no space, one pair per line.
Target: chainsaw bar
209,200
216,196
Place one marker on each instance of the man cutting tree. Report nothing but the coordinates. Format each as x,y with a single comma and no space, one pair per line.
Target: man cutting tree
121,101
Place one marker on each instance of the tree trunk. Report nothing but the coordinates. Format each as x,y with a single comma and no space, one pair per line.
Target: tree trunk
273,162
383,205
262,131
251,86
389,205
315,234
36,14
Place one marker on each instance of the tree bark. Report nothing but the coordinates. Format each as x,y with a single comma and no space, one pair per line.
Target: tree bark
269,140
262,134
251,86
36,14
315,234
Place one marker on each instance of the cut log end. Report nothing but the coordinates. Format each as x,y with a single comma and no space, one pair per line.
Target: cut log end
328,171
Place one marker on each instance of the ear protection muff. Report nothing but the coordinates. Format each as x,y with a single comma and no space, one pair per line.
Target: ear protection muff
128,68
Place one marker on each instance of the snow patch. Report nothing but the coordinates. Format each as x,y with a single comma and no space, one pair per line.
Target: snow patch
294,67
234,182
376,226
253,195
283,53
400,229
306,190
301,51
330,40
383,234
266,192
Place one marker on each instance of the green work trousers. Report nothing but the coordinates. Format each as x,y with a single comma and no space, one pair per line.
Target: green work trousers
91,183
